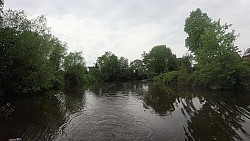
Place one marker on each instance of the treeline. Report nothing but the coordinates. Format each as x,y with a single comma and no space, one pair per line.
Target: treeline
213,62
32,59
158,60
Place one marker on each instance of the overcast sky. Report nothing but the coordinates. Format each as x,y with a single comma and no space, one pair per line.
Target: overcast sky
129,27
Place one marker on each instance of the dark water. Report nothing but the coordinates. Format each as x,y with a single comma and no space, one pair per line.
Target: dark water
126,111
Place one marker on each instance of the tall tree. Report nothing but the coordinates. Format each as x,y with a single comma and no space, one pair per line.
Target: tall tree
218,59
56,57
195,25
213,46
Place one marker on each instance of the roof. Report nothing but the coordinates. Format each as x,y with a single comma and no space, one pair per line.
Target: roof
247,53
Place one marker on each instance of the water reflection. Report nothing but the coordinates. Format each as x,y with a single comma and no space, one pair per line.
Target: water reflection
74,99
37,117
31,117
126,111
209,116
217,119
160,100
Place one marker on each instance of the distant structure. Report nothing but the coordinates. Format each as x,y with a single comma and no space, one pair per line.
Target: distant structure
93,69
247,54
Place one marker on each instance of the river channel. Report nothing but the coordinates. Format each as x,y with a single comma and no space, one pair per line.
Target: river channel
126,111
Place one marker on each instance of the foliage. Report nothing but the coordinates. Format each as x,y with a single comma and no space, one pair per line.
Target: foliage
89,79
109,65
123,68
182,75
26,49
137,69
168,78
160,59
195,25
75,69
56,57
185,63
243,70
216,55
112,68
32,59
95,72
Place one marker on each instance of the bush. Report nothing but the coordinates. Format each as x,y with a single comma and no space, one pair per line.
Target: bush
168,78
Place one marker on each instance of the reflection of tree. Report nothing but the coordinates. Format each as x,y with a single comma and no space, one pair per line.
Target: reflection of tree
74,100
38,117
209,116
217,119
160,100
110,88
35,117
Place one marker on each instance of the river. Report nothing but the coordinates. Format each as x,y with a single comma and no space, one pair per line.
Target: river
126,111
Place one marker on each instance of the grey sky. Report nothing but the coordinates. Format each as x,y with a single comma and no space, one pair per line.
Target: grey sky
129,27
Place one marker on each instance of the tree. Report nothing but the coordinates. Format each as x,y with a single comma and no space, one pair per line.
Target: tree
123,68
25,53
185,63
218,59
73,59
109,66
137,68
160,59
75,69
195,25
216,55
58,51
56,57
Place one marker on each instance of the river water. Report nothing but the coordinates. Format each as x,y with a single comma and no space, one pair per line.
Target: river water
126,111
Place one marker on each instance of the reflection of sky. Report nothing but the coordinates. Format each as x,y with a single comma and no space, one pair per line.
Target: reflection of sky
145,87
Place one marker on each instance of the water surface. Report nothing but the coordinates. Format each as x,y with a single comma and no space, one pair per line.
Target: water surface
126,111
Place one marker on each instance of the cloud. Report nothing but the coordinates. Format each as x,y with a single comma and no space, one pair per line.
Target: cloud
127,28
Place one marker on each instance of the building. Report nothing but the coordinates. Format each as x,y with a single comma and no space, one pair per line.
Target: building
247,54
93,69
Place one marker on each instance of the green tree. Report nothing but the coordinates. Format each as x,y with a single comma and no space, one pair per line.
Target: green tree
109,66
185,62
160,59
25,53
195,25
58,51
137,69
216,55
218,59
75,69
56,57
123,68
